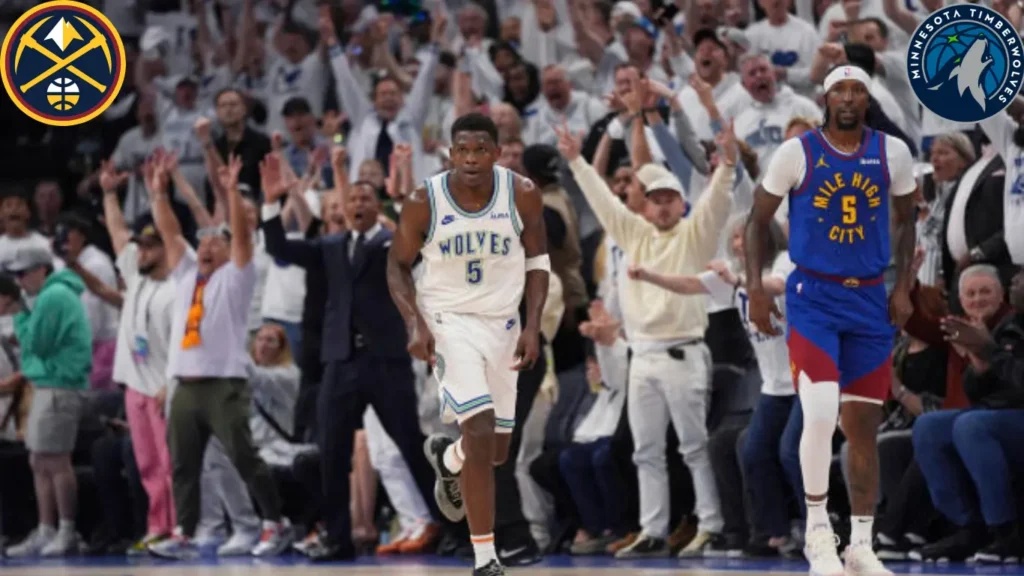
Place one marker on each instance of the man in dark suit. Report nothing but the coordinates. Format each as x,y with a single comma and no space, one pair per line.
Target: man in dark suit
979,223
363,350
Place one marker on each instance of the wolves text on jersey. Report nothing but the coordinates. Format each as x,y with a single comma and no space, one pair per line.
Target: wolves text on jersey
475,244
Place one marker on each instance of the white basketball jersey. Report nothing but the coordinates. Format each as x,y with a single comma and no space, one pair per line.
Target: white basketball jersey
473,263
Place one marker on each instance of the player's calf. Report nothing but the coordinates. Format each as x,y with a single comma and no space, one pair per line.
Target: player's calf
860,420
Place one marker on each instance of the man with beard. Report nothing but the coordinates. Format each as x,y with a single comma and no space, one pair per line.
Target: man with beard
143,342
841,329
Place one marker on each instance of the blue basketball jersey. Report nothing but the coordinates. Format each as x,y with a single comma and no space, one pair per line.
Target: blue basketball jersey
839,215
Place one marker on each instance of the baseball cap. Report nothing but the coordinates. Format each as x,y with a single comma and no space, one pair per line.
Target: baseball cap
29,257
655,177
626,8
145,229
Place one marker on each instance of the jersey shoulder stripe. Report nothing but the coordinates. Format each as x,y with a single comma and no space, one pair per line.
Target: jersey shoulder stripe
513,214
433,210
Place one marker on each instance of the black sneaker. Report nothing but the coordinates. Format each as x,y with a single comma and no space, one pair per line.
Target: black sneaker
724,546
961,545
526,553
447,491
892,549
645,547
491,569
1006,549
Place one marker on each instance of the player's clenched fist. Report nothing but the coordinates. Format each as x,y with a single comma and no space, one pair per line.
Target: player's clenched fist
527,350
421,343
761,308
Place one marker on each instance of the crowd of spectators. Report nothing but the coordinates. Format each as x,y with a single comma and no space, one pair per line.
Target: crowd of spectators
200,355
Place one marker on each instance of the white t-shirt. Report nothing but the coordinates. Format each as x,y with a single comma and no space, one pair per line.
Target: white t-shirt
788,166
763,126
284,291
223,328
772,354
999,129
263,262
103,317
9,246
145,327
791,45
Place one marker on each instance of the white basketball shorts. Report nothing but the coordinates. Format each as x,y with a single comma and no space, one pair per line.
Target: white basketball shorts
475,355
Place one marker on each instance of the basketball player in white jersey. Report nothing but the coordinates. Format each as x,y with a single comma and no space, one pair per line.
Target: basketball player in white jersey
480,231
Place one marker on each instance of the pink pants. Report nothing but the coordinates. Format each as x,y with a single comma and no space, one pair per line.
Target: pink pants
101,376
149,441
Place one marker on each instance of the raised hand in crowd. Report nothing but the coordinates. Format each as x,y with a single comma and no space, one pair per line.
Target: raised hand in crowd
726,140
569,144
111,179
438,25
228,174
202,129
272,179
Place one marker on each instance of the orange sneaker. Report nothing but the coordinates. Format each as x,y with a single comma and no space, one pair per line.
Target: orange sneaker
422,540
391,548
622,543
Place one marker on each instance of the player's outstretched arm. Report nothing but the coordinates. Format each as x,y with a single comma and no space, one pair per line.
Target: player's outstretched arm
413,225
538,268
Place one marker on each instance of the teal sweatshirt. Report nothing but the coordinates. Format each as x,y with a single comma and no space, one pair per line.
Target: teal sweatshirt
55,337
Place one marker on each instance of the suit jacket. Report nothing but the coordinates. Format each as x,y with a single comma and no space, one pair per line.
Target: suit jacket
983,224
358,299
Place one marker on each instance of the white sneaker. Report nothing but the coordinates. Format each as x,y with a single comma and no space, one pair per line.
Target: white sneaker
64,543
275,539
862,561
34,543
240,544
821,553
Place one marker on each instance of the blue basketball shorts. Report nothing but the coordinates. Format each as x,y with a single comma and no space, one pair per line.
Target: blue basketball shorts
840,333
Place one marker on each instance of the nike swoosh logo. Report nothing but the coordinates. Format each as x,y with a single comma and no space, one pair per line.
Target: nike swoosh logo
506,554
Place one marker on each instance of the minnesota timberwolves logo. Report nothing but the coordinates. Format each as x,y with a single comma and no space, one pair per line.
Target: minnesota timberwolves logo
62,63
964,62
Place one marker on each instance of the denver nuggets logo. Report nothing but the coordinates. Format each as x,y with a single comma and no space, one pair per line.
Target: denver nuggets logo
964,62
857,198
63,63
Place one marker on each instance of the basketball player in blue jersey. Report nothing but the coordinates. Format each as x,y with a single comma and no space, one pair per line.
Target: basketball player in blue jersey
841,179
480,231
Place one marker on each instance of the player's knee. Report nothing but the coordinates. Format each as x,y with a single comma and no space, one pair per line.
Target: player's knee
820,404
478,437
860,422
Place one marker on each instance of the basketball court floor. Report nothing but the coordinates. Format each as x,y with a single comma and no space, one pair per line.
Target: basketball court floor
553,566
